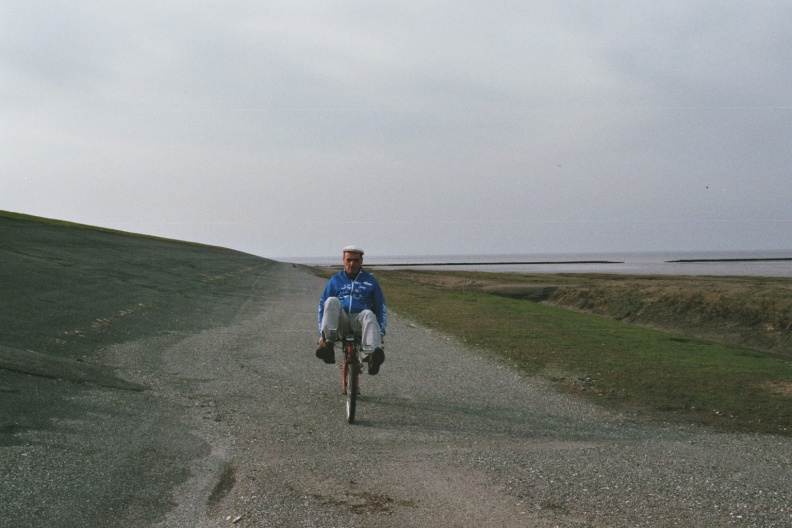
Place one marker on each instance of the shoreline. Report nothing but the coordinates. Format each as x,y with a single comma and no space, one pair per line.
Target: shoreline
560,262
772,259
504,263
553,262
757,265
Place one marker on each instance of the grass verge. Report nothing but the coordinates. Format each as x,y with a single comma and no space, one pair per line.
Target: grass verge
623,364
73,225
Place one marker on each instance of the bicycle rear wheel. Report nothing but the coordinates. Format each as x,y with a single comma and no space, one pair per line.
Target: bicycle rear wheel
351,390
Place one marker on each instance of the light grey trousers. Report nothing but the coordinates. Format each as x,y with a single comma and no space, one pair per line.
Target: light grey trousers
335,320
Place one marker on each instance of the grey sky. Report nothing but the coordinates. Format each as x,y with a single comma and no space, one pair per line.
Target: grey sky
291,129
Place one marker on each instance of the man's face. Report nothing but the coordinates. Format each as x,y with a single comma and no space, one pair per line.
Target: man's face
352,263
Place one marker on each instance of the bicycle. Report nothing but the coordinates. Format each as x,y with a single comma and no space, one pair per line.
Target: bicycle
350,373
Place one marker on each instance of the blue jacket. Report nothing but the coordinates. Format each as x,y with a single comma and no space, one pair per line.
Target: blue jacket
364,293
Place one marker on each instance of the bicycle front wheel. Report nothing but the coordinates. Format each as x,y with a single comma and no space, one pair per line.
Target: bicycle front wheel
351,390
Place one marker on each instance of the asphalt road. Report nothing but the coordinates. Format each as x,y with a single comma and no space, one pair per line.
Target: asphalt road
145,383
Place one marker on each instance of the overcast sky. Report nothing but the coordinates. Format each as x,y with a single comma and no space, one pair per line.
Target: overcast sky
292,128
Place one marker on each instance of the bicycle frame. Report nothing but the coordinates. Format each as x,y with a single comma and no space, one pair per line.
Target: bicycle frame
351,367
351,345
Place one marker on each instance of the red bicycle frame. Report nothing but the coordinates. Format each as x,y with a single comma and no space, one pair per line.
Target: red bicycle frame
351,345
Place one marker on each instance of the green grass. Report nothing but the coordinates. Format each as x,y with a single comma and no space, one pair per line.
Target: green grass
624,364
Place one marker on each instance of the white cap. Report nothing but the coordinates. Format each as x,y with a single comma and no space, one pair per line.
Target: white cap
353,249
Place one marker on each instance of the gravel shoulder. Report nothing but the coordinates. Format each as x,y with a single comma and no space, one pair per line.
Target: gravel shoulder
224,417
448,437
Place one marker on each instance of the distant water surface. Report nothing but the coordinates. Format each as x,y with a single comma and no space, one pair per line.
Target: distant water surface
742,263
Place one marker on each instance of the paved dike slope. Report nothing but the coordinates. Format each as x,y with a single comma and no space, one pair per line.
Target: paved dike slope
86,439
147,383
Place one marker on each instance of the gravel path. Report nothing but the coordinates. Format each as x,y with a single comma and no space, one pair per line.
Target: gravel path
445,437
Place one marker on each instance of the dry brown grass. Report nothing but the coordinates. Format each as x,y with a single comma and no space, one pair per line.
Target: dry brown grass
753,313
715,350
748,312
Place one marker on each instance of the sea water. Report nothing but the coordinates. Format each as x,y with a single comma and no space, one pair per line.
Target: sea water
730,263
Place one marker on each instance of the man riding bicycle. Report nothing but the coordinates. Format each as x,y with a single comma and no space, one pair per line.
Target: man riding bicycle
353,302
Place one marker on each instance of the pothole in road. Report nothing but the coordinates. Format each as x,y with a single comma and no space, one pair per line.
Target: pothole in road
364,502
224,484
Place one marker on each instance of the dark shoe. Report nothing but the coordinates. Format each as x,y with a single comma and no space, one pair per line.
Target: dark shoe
326,354
376,359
